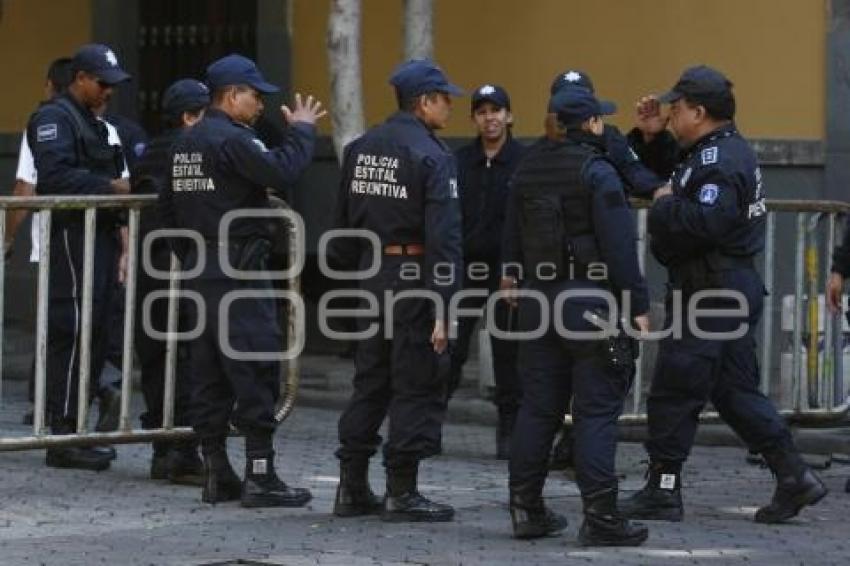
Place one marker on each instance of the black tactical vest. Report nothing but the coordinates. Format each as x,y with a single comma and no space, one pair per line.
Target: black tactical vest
555,214
96,154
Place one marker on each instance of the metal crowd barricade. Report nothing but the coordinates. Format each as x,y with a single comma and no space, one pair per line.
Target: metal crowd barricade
818,395
41,438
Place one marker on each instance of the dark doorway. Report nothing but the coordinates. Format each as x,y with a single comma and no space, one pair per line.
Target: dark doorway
179,39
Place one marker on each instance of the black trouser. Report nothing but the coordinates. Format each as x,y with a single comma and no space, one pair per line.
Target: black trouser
691,370
151,351
400,377
220,378
552,367
64,316
508,390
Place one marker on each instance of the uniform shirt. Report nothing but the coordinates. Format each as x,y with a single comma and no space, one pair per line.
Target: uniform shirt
151,174
639,179
133,137
26,172
613,225
219,165
717,202
483,190
660,155
400,181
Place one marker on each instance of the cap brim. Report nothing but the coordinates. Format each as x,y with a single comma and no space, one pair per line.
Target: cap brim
264,87
670,96
454,90
606,107
112,76
476,102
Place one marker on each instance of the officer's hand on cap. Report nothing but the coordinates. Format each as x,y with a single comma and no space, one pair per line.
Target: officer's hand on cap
662,192
120,186
309,111
834,290
650,120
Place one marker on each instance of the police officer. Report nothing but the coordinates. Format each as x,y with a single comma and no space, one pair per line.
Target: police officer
568,218
219,165
640,179
73,157
484,169
183,105
399,181
835,284
706,231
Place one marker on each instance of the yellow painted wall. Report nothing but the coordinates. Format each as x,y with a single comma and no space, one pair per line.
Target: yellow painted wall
773,50
32,34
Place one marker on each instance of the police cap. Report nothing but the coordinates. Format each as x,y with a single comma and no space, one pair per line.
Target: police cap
100,61
493,94
571,77
421,76
700,84
235,69
575,104
183,95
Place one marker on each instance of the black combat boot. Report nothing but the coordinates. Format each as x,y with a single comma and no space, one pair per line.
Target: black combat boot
75,457
159,460
796,486
504,432
604,525
529,515
262,487
403,503
220,481
661,497
183,465
354,497
562,452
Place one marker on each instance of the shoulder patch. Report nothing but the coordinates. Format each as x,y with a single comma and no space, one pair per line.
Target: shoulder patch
46,132
709,155
139,149
258,142
708,194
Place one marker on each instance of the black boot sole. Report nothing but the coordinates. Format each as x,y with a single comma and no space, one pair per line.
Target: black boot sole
342,510
221,495
88,466
408,517
258,502
812,496
670,515
187,479
589,540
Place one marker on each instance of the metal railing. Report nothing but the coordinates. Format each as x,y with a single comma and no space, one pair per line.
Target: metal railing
41,438
819,398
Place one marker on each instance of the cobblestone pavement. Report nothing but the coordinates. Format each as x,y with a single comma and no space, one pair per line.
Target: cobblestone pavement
58,517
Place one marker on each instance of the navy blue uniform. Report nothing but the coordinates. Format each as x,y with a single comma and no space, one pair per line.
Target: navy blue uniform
399,181
552,368
217,166
149,177
483,186
641,179
707,233
73,157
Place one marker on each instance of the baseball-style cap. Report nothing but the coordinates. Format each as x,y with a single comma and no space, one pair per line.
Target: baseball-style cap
698,83
493,94
421,76
575,104
100,61
571,77
185,94
237,70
